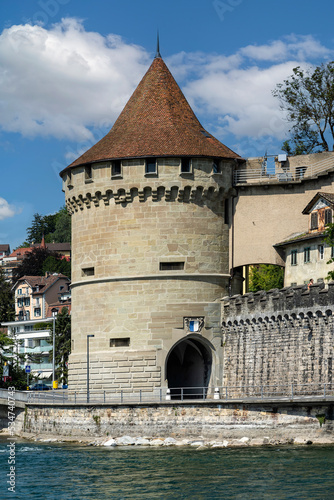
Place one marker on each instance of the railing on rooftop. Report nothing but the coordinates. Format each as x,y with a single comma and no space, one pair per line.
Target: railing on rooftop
297,173
227,393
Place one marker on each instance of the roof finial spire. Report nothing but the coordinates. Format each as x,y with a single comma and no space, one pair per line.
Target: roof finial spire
158,46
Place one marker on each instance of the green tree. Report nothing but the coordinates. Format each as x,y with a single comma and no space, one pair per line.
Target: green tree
54,227
62,233
308,98
34,264
265,277
54,264
7,309
329,239
62,345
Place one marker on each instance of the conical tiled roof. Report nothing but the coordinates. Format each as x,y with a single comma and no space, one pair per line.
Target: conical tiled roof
157,121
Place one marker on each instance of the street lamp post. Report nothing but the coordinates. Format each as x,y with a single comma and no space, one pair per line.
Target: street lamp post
88,337
54,315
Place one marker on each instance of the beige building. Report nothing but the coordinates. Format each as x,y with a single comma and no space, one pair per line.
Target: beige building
269,204
150,246
306,254
34,294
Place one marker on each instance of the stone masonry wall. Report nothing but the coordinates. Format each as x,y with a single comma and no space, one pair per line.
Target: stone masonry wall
279,338
180,420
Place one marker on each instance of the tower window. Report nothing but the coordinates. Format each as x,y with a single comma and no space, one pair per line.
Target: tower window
88,173
216,167
151,166
116,168
186,167
120,342
171,266
88,271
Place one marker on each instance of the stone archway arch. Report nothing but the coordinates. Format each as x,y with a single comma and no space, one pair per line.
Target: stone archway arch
188,366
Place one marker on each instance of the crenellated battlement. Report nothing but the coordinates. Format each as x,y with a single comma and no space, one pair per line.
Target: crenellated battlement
291,303
188,194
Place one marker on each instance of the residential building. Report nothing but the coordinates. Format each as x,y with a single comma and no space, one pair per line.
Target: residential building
4,251
34,294
306,254
34,344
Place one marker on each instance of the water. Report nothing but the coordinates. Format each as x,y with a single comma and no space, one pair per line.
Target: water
63,472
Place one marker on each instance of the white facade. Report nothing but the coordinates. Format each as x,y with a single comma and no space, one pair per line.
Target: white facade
33,342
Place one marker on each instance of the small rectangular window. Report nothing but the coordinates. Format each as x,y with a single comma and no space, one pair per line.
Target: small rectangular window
294,283
216,167
314,220
69,179
171,266
226,211
121,342
88,271
151,166
293,257
88,173
320,252
307,254
328,216
185,166
116,168
37,311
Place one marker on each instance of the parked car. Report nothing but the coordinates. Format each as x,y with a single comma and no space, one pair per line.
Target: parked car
39,387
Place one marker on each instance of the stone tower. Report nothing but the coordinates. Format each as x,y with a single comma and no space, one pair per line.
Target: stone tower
149,246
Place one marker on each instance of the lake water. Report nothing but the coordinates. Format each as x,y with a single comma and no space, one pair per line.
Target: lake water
63,472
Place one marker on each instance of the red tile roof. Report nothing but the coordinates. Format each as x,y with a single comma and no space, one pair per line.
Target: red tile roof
157,121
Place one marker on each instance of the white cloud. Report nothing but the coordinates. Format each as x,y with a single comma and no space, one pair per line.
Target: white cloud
6,210
62,81
69,83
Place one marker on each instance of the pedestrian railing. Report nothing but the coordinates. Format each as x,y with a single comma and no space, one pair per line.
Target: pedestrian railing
159,395
260,175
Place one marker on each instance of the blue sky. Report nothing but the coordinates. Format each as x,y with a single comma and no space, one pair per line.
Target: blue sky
67,68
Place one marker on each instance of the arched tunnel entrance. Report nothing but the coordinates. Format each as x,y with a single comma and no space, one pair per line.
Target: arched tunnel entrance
189,368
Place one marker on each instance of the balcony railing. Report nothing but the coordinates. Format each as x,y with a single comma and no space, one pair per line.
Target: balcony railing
296,173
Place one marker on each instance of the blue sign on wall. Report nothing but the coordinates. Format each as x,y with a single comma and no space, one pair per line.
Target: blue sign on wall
28,370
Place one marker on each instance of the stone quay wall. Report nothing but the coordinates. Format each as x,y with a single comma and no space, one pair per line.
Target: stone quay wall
185,420
279,338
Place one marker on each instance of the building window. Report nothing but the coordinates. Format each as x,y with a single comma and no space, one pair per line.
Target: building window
294,283
151,166
328,216
88,271
171,266
19,302
293,257
121,342
116,168
320,252
88,173
27,301
314,220
186,167
216,167
19,292
37,311
307,254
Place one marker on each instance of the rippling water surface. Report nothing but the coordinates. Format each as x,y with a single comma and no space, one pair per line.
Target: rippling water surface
64,472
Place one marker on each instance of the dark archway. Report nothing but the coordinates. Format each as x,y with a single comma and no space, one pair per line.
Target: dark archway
189,367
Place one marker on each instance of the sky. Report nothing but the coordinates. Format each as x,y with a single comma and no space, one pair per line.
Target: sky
68,67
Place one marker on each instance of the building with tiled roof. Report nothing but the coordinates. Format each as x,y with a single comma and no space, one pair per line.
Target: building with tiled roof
150,204
157,121
34,294
306,254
